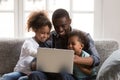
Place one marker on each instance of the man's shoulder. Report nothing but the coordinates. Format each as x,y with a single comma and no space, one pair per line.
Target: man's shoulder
48,43
53,32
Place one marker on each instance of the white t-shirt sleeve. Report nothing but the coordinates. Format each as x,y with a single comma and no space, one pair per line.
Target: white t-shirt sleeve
29,48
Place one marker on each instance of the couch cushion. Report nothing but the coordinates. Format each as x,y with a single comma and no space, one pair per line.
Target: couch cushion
9,54
10,51
105,48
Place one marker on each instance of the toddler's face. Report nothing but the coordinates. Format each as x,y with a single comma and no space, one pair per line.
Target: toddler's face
43,33
75,44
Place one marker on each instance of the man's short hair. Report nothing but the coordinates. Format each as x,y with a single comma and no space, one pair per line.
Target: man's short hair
60,13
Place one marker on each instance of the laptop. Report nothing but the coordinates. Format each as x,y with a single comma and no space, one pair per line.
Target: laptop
55,60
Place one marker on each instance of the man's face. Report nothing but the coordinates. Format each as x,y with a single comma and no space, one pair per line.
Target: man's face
62,25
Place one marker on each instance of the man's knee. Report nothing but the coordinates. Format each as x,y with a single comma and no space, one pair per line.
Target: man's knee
37,75
67,76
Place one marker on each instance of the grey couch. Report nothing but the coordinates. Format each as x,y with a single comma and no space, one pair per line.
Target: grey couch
10,51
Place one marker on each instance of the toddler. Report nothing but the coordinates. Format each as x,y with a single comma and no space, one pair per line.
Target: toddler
77,41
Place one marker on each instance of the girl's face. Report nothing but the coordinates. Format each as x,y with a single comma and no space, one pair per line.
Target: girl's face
42,34
75,44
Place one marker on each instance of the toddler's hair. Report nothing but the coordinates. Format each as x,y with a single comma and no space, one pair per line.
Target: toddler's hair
38,19
82,38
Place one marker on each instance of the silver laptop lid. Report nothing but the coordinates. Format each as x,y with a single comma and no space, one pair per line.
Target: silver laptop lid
55,60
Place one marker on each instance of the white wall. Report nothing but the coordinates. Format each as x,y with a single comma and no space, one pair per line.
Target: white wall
107,22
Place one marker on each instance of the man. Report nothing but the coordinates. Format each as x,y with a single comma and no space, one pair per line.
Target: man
61,22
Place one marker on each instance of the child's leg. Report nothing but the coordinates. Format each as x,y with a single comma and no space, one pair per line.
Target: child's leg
23,78
12,76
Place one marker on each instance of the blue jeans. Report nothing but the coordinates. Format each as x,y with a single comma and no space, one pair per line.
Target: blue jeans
38,75
13,76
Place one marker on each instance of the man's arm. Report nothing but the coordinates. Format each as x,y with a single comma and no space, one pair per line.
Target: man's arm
85,70
94,58
93,52
84,61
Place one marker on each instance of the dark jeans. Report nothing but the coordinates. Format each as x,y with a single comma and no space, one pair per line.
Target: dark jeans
38,75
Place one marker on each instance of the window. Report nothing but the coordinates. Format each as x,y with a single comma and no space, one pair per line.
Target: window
7,18
83,15
15,14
